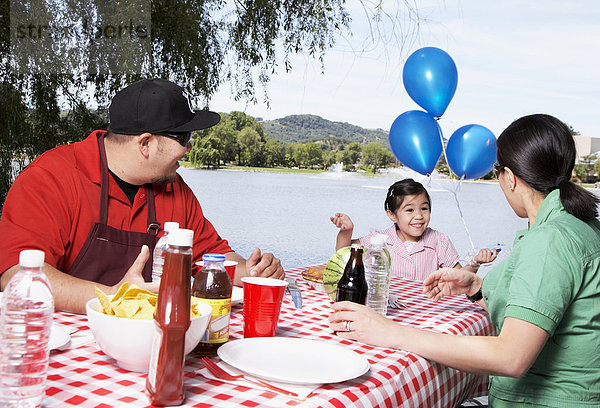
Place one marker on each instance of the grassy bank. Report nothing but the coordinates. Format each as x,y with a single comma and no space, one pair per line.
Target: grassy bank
261,169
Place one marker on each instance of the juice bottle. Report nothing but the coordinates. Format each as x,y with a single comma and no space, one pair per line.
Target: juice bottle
164,385
353,285
213,286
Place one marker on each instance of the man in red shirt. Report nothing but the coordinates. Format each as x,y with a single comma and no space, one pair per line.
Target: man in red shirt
95,207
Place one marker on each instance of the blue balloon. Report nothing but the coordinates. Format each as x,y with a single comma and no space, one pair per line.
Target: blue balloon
471,151
415,138
430,77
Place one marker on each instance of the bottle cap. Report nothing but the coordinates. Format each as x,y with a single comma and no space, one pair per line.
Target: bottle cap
181,237
170,226
213,258
31,258
379,239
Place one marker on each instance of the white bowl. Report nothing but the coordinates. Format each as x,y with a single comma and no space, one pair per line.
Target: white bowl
129,341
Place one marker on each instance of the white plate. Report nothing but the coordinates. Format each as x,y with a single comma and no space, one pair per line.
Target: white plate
315,285
237,296
58,336
294,360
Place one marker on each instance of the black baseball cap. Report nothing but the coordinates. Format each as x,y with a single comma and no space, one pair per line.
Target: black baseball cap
156,106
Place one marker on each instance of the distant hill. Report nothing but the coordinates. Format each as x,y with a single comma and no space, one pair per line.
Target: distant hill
313,128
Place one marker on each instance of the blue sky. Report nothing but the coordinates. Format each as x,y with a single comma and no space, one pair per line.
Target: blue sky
514,57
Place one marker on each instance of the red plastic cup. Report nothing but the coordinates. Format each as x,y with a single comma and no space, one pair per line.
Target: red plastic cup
229,268
262,304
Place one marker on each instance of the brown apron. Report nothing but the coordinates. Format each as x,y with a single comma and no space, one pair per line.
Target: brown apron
108,252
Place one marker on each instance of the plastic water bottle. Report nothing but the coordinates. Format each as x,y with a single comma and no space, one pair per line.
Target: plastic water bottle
158,257
377,273
25,322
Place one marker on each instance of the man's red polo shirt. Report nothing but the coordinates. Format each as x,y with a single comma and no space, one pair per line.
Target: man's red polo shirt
55,201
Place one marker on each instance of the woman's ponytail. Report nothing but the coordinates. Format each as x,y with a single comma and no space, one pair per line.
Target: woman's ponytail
578,201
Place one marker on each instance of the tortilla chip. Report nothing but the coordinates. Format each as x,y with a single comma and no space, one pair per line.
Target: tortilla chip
145,312
127,308
120,292
132,302
151,298
134,291
104,301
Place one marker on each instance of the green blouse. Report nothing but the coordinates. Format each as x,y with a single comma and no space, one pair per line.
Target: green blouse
552,279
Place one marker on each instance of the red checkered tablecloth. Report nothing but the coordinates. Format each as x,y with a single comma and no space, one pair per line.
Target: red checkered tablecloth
86,377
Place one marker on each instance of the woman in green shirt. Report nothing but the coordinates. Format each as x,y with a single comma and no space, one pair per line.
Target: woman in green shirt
544,298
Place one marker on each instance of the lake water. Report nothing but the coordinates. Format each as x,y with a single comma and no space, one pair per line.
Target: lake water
288,214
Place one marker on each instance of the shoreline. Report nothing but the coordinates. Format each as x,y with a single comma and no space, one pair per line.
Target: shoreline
365,174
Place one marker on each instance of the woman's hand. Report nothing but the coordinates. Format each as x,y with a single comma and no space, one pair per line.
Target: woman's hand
358,322
451,281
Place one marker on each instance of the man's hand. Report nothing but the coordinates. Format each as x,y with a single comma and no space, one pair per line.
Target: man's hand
134,274
264,265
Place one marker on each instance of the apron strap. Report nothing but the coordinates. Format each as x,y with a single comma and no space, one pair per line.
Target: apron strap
104,181
153,225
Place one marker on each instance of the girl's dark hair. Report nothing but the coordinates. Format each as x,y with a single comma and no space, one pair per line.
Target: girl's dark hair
400,189
540,150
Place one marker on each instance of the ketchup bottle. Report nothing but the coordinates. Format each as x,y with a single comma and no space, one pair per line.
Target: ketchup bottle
164,385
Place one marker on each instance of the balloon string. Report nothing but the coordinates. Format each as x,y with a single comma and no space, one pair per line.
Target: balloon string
454,192
463,220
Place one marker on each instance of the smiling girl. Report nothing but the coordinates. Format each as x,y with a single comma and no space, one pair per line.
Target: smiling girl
416,249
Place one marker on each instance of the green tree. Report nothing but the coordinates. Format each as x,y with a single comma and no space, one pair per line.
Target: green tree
585,169
314,153
274,153
352,153
250,145
207,152
226,132
597,169
299,154
330,158
375,155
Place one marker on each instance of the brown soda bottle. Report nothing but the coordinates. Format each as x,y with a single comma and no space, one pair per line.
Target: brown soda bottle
352,285
213,286
164,385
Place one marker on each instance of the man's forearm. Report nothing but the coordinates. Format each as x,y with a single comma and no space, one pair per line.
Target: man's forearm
70,293
240,269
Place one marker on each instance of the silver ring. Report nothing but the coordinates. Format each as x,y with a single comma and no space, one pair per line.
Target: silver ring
347,326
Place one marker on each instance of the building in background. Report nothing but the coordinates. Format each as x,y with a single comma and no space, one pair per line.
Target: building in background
586,145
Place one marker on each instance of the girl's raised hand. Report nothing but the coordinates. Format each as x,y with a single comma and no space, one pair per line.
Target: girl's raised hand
485,255
342,221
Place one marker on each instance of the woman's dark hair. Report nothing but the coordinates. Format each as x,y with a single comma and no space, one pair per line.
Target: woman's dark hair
540,150
400,189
